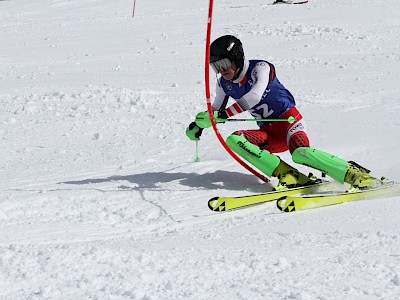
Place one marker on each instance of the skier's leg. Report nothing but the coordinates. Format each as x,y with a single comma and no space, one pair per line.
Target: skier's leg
276,137
337,168
269,164
264,139
264,161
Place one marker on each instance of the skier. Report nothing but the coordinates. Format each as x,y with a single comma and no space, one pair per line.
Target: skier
254,86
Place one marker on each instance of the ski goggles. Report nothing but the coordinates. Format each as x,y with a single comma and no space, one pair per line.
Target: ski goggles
221,65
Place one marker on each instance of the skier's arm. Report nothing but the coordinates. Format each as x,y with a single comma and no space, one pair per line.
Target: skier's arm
260,76
219,97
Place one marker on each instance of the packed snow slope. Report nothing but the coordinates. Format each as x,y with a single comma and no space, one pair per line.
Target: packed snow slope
100,197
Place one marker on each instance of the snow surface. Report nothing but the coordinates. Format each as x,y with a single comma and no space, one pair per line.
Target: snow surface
100,197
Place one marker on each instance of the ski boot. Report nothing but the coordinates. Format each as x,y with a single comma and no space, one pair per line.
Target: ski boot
359,178
290,177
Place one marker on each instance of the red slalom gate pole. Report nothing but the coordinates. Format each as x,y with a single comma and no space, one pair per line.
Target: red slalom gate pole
208,96
133,10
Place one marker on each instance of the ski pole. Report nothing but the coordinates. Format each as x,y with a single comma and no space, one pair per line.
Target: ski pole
290,120
197,159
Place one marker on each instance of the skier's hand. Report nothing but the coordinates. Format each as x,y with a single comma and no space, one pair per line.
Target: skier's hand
193,132
203,118
222,115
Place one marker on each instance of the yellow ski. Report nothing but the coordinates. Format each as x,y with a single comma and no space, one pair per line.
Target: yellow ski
229,203
292,203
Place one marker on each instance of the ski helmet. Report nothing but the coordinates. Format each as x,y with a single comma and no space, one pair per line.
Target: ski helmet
229,47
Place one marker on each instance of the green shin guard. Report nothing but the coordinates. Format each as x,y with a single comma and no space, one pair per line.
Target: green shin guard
331,165
263,160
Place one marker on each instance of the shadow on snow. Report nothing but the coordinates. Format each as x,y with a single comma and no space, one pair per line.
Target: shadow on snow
154,180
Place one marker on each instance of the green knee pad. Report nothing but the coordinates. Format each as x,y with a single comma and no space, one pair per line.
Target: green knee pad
331,165
263,160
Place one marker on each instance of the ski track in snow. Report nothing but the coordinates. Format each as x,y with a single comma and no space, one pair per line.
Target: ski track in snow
100,197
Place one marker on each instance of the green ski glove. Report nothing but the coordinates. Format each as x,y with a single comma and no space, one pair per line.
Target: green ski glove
203,118
193,132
